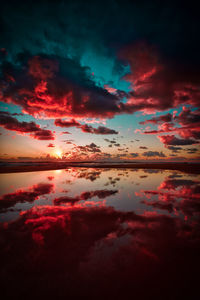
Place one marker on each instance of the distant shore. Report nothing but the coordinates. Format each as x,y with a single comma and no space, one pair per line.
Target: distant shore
187,167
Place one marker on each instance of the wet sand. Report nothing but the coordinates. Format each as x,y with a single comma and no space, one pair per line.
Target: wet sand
193,168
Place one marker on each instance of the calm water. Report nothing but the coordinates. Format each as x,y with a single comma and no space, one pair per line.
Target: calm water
100,233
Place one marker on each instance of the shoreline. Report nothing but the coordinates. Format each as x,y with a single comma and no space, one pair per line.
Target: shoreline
183,167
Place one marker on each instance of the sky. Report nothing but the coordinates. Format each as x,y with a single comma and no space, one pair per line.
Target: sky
95,80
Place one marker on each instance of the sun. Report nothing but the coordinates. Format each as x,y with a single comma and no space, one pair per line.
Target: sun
58,153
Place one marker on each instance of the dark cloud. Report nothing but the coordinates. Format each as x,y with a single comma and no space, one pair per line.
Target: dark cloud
62,123
157,120
188,126
43,134
188,117
134,155
172,140
153,153
85,128
192,150
43,69
88,148
174,149
54,86
158,84
190,123
99,130
110,141
10,123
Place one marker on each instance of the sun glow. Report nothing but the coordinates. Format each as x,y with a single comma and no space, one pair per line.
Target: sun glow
58,153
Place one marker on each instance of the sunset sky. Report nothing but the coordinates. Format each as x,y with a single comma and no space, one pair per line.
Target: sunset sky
94,80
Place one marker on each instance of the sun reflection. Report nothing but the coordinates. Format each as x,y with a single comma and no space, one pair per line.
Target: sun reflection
58,171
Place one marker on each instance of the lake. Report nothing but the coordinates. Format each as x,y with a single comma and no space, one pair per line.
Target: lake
100,233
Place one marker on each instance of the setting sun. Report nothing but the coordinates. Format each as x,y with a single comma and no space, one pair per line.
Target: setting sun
58,153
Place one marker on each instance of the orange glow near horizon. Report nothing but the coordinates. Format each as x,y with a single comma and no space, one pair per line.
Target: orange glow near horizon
58,153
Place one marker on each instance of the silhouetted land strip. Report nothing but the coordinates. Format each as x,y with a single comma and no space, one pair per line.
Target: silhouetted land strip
193,168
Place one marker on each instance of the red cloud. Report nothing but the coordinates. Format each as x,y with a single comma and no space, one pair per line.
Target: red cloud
11,123
165,127
99,130
174,141
188,127
48,86
42,69
71,123
187,117
51,145
158,84
53,86
157,120
190,122
84,127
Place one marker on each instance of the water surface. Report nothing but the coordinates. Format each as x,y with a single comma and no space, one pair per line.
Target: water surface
100,233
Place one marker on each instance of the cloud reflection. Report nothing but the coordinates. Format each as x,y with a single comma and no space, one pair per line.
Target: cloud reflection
106,250
20,196
102,251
